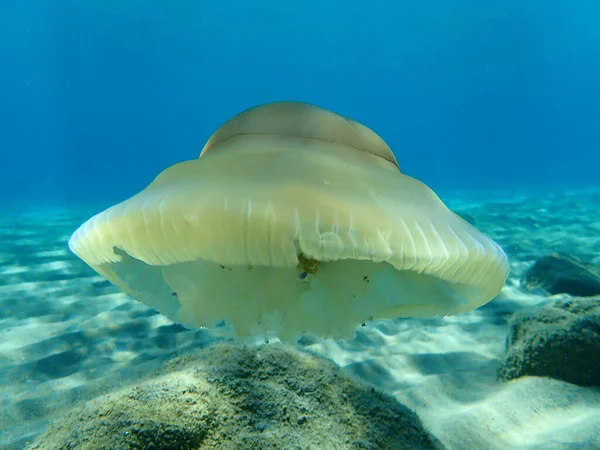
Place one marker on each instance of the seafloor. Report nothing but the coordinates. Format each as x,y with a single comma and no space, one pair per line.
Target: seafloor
67,336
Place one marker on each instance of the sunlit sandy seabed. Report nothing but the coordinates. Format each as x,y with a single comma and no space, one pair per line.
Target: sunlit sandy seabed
66,335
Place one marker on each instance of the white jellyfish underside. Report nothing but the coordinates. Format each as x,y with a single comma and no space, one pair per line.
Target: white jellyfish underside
293,220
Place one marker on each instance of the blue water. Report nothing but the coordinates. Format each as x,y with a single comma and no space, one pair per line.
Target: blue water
490,99
97,97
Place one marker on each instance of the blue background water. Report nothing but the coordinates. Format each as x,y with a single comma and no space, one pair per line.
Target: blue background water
97,97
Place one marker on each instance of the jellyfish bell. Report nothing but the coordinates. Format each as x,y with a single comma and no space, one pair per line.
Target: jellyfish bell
292,220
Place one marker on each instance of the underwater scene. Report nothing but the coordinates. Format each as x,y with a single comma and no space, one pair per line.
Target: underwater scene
300,225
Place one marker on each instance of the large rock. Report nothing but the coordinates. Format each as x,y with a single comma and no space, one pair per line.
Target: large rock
227,397
559,273
561,341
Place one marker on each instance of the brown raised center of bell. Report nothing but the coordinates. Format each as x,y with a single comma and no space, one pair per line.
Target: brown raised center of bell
302,120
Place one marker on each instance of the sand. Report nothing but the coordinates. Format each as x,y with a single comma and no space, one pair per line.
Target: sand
67,336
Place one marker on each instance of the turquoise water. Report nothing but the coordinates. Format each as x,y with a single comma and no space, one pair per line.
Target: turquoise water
468,94
494,105
69,336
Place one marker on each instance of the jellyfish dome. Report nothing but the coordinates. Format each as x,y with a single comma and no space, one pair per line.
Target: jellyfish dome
293,220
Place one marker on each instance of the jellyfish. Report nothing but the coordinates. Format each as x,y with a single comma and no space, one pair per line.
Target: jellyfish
292,220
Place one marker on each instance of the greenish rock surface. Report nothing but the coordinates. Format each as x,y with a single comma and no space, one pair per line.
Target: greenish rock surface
559,273
228,397
560,341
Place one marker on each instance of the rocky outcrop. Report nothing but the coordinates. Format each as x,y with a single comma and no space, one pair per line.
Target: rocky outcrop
560,340
559,273
227,397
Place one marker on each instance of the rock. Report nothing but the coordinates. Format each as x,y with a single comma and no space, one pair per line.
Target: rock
228,397
560,341
562,274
